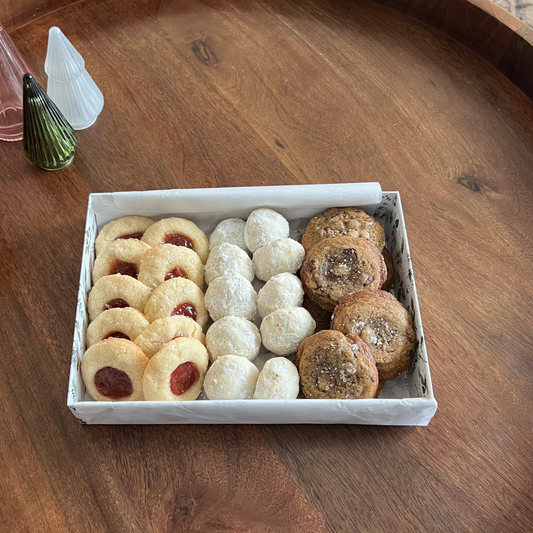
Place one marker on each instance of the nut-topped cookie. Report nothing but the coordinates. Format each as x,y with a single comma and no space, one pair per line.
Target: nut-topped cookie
336,366
339,266
383,323
341,221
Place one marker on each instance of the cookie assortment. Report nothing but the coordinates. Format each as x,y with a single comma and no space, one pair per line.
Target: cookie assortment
154,335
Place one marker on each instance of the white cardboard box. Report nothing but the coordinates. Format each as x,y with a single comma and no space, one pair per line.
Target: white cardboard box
407,401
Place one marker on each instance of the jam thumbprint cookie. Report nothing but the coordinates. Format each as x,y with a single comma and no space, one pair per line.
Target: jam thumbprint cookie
339,266
233,335
230,231
336,366
127,323
231,378
279,380
177,296
343,221
383,323
228,259
179,232
231,295
115,291
112,370
120,257
176,372
166,262
263,226
131,227
166,329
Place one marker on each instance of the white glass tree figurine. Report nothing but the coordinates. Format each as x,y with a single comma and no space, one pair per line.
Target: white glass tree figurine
69,85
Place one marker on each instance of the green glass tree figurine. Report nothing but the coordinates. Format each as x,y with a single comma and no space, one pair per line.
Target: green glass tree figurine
49,140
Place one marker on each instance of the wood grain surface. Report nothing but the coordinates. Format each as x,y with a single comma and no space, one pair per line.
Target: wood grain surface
241,92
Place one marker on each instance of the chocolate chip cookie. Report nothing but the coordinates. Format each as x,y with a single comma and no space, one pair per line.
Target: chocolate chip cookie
390,269
339,266
383,323
336,366
340,221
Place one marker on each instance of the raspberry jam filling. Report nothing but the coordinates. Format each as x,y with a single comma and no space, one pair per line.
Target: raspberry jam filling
177,239
183,378
118,335
126,269
176,272
113,383
137,236
185,309
117,302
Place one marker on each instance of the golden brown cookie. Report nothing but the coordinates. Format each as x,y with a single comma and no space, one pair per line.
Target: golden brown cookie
176,372
131,227
390,269
166,329
112,370
320,316
120,257
336,366
383,323
177,296
179,232
341,221
127,323
117,290
339,266
166,262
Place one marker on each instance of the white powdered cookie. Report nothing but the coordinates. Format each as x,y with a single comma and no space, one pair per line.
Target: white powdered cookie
282,255
264,226
228,259
231,378
283,330
233,335
279,380
230,231
231,295
280,291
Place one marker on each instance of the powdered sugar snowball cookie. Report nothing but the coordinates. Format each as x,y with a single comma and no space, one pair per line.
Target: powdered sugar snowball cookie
282,255
233,335
228,259
280,291
283,331
166,329
131,227
230,231
231,378
279,380
263,226
231,295
179,232
176,372
112,370
167,261
177,296
127,323
120,257
115,291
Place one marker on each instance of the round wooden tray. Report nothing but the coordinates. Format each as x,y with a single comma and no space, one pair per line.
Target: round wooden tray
430,99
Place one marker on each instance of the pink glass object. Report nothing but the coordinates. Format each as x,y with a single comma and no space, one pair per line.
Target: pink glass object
12,68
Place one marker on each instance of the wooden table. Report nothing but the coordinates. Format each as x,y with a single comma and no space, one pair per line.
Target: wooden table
226,93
